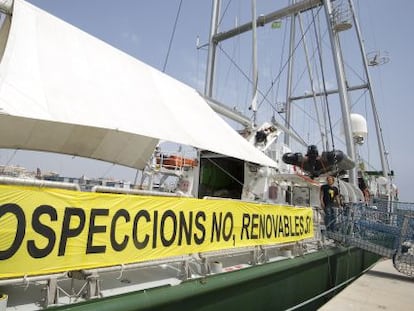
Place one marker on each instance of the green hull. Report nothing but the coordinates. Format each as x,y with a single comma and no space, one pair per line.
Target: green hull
275,286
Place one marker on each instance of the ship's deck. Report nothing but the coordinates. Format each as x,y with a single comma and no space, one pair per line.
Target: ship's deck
381,288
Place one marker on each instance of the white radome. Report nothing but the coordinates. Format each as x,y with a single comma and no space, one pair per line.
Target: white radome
359,125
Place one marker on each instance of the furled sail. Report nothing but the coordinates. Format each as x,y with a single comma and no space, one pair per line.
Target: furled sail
62,90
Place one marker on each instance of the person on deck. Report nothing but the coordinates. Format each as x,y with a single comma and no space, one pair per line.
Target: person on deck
329,195
364,188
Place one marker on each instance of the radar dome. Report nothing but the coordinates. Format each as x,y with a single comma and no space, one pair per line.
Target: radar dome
359,125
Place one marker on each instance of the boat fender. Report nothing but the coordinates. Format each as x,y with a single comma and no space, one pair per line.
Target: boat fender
216,267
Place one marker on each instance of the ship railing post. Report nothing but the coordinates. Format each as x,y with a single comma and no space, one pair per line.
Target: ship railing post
264,254
185,272
259,255
255,256
93,289
204,265
50,293
299,249
318,228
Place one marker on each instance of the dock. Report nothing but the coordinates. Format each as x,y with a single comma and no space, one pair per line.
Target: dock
381,288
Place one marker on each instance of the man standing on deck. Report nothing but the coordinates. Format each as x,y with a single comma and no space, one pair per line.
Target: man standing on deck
328,196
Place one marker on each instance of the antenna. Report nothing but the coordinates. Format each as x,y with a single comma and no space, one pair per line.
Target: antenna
376,58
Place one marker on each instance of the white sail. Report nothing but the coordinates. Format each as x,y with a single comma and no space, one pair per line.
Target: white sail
64,91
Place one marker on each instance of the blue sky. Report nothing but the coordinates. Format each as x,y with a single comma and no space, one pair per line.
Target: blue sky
143,29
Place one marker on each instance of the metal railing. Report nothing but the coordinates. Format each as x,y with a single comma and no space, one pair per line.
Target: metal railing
386,229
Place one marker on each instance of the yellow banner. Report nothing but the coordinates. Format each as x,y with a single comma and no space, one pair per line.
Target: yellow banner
45,230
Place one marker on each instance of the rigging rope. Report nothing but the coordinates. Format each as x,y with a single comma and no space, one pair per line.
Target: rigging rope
277,78
12,156
172,36
224,12
287,62
283,67
326,101
323,81
374,107
259,91
280,64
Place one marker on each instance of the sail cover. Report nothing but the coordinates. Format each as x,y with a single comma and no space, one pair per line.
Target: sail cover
62,90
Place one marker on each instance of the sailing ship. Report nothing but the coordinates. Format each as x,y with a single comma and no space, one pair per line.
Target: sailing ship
240,228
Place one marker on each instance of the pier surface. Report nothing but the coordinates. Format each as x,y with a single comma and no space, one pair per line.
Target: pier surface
381,288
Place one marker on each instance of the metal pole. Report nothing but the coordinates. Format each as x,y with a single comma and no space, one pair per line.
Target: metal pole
330,92
208,88
322,128
343,93
254,55
290,77
384,163
228,112
266,19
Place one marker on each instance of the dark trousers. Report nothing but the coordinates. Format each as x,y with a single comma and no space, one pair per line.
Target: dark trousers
329,218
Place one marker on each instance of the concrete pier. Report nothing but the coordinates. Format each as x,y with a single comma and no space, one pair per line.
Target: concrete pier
381,288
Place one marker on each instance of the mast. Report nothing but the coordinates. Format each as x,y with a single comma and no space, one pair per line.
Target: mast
254,55
384,163
290,76
322,128
269,18
208,89
343,93
216,37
